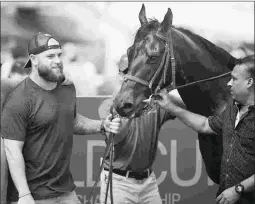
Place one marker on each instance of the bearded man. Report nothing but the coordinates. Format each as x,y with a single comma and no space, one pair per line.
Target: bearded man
38,122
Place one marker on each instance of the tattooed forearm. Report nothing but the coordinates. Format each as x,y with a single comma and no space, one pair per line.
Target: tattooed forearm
85,126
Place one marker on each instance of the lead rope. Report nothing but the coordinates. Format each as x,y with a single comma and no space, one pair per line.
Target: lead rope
170,87
109,182
108,150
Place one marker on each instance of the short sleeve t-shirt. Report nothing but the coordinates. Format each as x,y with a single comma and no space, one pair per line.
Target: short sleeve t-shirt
7,85
43,120
137,150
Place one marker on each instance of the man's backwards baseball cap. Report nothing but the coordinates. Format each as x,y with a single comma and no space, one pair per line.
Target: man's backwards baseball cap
40,43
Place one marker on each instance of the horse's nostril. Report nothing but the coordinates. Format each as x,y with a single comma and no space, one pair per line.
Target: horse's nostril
127,106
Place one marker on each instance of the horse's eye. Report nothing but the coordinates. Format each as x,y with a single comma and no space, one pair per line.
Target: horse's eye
152,59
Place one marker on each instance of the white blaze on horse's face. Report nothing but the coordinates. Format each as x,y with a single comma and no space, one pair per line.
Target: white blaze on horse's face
144,58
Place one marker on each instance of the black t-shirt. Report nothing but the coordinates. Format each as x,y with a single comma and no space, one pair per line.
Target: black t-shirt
44,121
7,85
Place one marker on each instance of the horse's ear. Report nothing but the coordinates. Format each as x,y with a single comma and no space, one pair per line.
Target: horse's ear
167,22
142,15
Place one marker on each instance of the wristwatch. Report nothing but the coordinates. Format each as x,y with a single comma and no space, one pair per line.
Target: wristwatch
239,188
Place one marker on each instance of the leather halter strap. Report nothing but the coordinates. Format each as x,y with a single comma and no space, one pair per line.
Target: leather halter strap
136,79
169,47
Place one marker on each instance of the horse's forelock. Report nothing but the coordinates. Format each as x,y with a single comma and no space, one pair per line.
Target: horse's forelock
142,32
146,28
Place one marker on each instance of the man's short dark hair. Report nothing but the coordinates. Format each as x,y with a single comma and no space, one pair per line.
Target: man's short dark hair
248,62
250,68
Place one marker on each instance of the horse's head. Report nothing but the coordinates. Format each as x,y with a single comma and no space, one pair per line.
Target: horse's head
148,60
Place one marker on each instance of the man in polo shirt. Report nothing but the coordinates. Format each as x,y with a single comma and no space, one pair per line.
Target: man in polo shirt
38,121
236,125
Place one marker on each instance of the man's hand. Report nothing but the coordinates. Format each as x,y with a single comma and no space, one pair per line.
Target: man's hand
28,199
112,124
229,196
164,101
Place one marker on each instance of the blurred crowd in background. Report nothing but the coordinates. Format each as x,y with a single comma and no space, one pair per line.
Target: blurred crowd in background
94,39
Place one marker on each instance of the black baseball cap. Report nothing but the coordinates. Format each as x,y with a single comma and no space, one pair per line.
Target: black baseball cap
40,43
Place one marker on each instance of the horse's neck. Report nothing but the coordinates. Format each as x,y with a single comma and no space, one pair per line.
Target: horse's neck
197,62
200,58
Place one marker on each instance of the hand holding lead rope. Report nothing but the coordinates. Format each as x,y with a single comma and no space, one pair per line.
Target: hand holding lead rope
111,142
109,150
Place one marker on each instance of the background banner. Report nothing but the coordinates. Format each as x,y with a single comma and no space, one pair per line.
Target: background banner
179,167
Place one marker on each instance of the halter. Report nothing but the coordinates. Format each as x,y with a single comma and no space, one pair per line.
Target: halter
168,54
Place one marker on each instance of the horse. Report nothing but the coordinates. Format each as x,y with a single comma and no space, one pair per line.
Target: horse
164,55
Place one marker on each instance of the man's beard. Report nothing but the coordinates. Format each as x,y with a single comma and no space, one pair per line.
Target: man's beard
49,75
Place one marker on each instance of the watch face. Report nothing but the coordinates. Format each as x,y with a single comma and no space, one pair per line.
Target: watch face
239,188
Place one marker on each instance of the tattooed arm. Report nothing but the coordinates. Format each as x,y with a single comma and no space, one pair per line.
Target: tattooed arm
86,126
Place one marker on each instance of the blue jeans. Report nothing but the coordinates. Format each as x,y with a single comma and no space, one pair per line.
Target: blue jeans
67,198
130,191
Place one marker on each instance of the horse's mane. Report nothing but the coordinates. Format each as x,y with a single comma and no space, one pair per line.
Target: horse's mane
218,53
191,33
